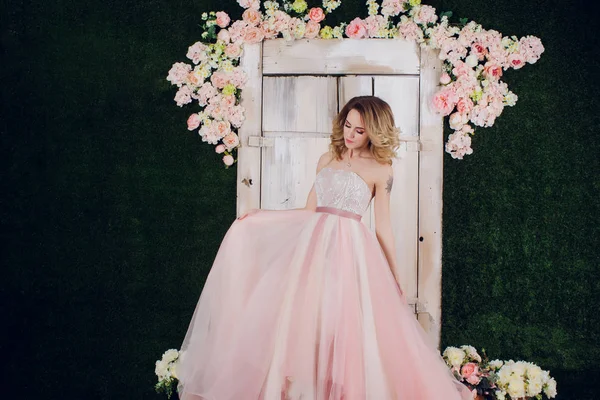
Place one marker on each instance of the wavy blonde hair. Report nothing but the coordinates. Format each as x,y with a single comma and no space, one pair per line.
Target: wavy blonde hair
379,124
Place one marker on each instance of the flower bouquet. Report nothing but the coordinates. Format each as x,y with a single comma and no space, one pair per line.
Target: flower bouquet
166,371
497,379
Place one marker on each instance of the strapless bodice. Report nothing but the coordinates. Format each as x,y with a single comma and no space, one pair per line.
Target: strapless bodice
342,189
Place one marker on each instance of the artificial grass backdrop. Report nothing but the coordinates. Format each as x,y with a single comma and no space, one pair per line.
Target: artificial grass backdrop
112,212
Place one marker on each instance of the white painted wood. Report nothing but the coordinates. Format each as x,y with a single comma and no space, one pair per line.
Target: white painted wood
292,129
297,116
402,94
347,56
248,164
430,198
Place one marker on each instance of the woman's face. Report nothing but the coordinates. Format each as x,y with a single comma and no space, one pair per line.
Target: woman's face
355,136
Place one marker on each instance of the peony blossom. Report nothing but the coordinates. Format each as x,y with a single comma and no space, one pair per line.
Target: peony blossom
316,14
444,101
228,160
193,121
222,19
356,29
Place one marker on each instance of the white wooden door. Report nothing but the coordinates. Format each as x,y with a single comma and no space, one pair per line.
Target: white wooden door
294,92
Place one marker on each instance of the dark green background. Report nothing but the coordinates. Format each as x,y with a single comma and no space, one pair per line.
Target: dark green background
112,211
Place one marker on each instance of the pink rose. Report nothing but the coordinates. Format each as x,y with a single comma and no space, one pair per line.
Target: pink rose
531,47
222,128
197,52
268,28
316,14
222,19
462,69
193,122
445,78
516,60
178,73
444,101
253,35
492,71
219,79
231,140
473,379
457,120
374,23
228,160
424,14
220,148
233,51
252,17
312,29
236,115
409,30
193,79
228,101
224,36
479,50
237,30
464,105
183,96
239,77
356,29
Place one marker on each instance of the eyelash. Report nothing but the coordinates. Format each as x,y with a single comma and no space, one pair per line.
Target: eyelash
359,132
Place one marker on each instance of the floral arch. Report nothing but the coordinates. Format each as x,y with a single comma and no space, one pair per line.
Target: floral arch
471,91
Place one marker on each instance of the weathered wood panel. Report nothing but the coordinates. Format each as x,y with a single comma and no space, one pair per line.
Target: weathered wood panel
402,94
248,164
348,56
297,115
430,199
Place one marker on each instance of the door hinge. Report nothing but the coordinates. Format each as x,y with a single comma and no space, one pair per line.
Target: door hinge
260,141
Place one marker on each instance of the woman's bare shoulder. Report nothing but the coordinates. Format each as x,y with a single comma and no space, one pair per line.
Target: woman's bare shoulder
324,159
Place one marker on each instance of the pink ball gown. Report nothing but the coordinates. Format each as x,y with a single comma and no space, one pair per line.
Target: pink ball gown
302,305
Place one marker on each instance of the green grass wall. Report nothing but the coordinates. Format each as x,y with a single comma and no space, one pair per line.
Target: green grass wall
112,211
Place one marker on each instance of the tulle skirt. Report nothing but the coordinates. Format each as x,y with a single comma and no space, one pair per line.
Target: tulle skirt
302,305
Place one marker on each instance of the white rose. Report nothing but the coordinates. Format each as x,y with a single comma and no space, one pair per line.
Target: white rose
170,355
534,387
470,350
516,387
472,60
495,364
457,120
534,372
550,388
161,369
504,374
519,368
455,356
500,395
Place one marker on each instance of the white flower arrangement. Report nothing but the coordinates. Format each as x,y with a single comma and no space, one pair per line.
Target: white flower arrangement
474,59
497,379
166,372
521,379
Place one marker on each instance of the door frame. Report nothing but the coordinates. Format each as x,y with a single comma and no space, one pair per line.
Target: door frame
357,57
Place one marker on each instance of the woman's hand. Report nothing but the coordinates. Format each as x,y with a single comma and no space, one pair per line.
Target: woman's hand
247,213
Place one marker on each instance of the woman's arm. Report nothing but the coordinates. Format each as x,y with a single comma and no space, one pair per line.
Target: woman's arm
311,201
383,225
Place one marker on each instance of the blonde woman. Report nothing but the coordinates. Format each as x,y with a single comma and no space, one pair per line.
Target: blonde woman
303,304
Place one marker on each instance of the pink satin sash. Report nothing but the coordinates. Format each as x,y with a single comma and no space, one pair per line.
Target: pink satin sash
341,213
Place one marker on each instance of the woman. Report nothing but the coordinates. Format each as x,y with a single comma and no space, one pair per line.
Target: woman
303,304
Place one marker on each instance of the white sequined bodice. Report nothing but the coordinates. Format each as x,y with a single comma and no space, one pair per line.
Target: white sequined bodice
342,189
